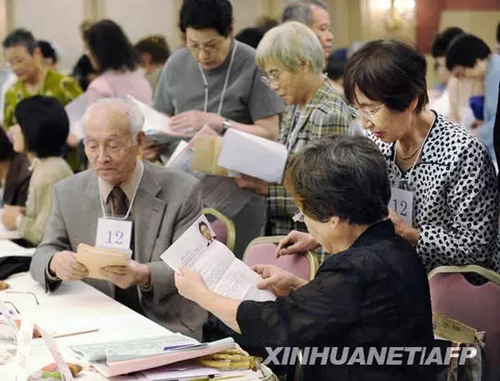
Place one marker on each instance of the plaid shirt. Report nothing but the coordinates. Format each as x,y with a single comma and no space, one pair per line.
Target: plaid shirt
326,114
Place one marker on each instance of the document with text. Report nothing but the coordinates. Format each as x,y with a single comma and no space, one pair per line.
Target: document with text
223,273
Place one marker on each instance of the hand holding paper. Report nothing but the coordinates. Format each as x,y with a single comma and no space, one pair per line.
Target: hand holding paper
65,266
190,283
132,274
94,259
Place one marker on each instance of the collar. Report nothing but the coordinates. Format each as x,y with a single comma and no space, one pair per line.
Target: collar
128,186
379,231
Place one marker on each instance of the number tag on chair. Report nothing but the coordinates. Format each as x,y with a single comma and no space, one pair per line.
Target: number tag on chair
114,234
402,203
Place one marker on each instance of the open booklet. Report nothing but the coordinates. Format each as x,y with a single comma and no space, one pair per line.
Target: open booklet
223,273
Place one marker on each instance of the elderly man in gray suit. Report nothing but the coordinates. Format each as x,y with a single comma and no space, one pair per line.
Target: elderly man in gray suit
160,204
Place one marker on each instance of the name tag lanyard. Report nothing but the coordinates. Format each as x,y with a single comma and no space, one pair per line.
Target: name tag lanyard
226,81
105,215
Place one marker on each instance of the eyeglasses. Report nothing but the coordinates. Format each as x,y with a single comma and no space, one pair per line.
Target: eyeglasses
24,293
298,217
272,78
209,49
366,114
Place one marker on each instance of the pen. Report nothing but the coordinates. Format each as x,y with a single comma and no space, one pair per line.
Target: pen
75,333
173,347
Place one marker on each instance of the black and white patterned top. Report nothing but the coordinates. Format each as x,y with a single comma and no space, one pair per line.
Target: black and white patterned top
456,199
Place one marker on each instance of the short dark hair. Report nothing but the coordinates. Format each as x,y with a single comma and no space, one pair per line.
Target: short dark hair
47,50
343,176
204,14
443,40
20,37
250,36
110,46
44,124
498,33
335,68
6,150
388,71
465,50
156,46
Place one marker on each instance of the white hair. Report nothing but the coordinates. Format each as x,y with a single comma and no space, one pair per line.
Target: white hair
128,108
300,10
290,45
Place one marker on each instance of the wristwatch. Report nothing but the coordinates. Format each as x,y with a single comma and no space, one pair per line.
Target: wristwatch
225,125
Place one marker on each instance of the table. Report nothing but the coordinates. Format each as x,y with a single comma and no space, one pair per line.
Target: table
75,306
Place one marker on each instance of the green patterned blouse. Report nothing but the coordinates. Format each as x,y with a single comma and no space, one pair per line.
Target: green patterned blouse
56,85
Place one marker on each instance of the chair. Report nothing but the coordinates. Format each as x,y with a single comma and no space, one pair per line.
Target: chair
262,251
477,306
222,226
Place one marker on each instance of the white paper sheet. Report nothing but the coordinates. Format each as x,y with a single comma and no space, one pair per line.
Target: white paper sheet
253,156
221,270
76,110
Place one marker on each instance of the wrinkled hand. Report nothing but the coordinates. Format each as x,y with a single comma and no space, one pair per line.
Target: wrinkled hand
190,284
64,265
276,280
252,184
134,273
10,215
296,243
192,121
403,229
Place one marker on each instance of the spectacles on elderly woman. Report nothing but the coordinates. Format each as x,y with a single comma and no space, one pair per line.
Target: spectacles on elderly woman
366,114
271,78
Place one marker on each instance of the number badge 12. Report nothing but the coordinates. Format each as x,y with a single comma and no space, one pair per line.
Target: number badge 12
402,203
114,234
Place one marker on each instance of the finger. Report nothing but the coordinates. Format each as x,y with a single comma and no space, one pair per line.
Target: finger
282,244
118,270
266,284
259,269
290,250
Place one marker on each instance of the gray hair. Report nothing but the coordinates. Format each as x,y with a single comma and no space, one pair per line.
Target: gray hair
129,109
290,45
300,10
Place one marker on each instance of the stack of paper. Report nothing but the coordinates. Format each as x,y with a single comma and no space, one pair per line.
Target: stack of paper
181,371
116,358
94,259
253,156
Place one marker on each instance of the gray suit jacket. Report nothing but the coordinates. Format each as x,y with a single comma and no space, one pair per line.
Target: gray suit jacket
167,203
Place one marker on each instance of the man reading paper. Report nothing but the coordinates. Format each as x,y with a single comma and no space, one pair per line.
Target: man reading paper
122,203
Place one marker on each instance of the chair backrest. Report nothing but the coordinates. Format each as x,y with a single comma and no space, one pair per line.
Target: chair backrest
477,306
262,251
222,226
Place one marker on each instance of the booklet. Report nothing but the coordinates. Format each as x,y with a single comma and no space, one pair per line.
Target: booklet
253,156
223,273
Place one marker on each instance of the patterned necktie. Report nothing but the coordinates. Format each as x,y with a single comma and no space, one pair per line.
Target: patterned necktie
117,202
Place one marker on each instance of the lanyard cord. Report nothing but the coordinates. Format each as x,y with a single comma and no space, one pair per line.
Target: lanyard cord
226,81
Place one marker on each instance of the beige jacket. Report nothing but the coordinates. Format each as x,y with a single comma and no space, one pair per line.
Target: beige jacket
46,173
